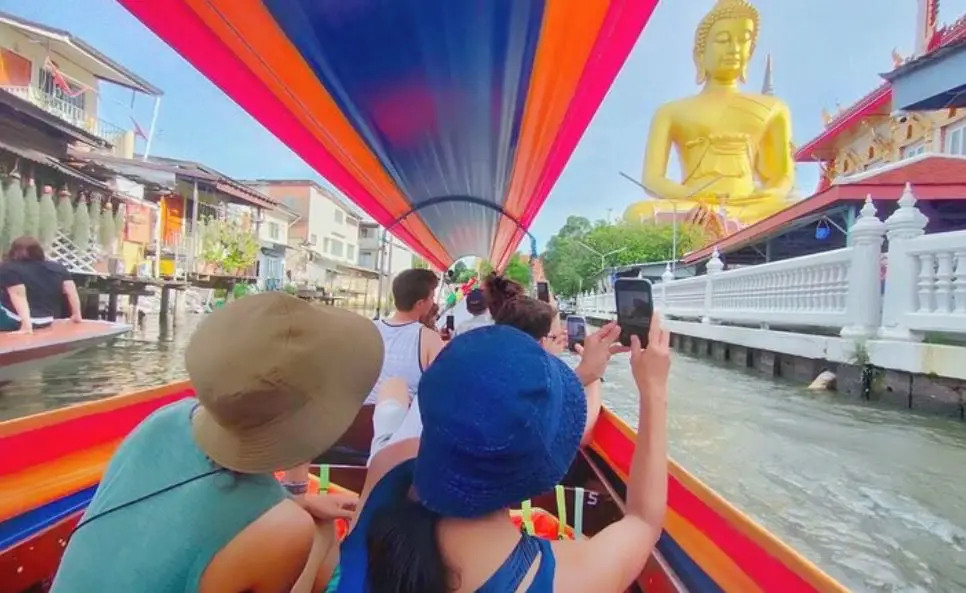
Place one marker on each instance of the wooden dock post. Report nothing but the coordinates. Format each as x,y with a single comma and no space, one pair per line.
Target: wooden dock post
112,306
165,304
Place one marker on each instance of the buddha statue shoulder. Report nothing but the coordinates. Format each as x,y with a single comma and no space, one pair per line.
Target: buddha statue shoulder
734,147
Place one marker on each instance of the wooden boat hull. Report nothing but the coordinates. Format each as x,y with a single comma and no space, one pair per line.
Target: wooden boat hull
46,481
21,355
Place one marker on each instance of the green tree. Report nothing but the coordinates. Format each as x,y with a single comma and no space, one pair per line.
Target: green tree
420,263
229,246
517,269
571,267
462,273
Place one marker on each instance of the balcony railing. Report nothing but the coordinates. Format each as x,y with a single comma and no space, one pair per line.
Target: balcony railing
68,112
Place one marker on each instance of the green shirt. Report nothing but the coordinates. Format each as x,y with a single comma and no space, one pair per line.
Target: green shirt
163,543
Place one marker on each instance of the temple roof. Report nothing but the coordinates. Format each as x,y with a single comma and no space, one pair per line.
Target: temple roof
876,102
933,176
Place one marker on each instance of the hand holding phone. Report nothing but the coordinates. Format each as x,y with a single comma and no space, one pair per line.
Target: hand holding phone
450,323
543,292
635,307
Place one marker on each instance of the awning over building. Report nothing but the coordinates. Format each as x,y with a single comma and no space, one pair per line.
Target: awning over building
933,82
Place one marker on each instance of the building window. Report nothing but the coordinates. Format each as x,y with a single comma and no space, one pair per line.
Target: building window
956,139
274,231
313,239
335,247
325,245
913,149
350,252
339,216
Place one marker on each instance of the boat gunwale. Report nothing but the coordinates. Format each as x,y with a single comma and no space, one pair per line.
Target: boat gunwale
750,528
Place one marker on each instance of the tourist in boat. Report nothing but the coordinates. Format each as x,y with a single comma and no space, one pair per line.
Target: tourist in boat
434,512
410,347
33,289
476,306
189,501
510,305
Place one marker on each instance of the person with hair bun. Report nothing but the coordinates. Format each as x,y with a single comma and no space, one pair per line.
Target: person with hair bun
510,305
434,512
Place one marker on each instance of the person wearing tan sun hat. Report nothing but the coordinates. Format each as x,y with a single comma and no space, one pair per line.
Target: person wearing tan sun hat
189,501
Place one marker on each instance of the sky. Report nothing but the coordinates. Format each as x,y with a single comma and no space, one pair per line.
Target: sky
825,52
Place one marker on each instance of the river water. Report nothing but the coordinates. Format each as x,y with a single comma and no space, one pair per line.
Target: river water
874,496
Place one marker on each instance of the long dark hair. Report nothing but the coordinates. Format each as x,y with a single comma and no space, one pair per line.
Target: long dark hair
509,305
404,555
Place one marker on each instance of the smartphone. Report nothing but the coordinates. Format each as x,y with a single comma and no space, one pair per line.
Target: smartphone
543,292
576,331
450,322
635,307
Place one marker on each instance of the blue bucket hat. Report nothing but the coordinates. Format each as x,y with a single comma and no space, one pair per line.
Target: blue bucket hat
502,421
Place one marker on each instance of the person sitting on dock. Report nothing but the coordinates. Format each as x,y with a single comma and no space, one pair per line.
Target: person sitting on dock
33,288
434,512
189,501
477,307
410,347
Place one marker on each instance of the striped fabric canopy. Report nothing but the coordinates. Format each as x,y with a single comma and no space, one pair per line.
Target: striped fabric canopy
465,111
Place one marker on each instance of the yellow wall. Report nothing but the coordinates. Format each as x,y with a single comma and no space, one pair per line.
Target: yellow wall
131,254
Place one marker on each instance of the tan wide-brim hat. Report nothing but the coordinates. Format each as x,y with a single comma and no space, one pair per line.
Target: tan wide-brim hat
279,380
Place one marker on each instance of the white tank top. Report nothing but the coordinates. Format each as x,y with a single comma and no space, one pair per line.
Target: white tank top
401,358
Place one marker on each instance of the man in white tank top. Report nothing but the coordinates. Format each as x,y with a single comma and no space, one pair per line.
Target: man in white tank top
410,347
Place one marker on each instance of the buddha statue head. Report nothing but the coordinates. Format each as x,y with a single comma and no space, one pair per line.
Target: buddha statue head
725,41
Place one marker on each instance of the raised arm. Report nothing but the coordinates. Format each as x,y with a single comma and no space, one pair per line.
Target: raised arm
621,550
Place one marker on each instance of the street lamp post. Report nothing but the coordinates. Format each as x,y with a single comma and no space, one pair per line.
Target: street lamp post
603,256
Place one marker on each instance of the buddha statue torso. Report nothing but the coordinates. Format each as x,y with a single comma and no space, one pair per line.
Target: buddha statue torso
733,147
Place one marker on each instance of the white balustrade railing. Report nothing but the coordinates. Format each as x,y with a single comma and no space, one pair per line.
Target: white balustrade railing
924,284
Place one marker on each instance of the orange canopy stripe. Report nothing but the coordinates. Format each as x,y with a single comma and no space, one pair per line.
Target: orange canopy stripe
247,29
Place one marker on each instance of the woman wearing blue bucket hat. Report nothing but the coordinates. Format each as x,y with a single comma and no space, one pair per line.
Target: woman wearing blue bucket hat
502,423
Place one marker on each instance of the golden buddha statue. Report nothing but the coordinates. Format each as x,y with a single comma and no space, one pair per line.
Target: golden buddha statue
734,147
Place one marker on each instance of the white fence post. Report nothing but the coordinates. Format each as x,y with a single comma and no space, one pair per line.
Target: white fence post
864,297
715,265
902,273
666,277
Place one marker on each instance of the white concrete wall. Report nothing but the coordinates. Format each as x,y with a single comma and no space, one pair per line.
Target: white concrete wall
332,227
274,228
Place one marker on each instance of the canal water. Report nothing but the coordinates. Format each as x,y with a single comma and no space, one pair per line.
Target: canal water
875,496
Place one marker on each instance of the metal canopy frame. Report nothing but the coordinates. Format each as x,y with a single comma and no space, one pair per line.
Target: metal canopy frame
443,200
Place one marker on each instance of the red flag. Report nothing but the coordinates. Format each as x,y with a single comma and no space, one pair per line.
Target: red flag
138,131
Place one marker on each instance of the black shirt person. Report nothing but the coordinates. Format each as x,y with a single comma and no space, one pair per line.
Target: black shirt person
32,289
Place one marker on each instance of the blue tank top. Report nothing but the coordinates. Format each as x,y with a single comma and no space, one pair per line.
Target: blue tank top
354,556
164,542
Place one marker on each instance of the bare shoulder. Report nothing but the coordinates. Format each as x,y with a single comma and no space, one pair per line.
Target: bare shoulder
269,554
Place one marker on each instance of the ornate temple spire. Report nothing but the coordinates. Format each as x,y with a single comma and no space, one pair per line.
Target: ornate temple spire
926,24
768,86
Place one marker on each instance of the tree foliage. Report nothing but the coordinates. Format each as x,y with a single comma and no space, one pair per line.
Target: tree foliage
517,269
229,246
572,268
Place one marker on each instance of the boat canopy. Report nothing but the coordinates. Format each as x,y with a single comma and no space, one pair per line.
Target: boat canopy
452,119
